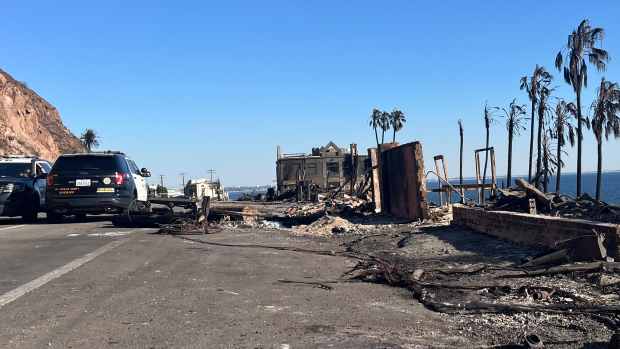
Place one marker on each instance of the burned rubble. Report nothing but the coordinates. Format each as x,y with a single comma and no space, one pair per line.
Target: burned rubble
517,199
507,293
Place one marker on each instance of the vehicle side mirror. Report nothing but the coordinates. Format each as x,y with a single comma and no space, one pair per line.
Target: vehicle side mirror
41,176
145,173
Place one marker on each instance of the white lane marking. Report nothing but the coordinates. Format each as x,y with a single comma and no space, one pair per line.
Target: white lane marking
112,233
54,274
72,235
13,227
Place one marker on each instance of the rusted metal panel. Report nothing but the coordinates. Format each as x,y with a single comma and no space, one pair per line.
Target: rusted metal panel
403,183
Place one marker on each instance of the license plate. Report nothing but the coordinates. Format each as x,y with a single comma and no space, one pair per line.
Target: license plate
82,182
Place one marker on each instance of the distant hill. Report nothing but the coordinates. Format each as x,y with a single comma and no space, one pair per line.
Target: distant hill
29,124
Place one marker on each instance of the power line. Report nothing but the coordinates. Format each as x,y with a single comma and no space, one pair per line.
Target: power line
211,172
182,174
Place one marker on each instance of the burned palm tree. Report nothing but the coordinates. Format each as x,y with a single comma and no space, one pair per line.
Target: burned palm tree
531,86
605,121
581,45
562,131
543,109
397,121
549,162
89,139
385,124
515,116
488,121
375,122
461,161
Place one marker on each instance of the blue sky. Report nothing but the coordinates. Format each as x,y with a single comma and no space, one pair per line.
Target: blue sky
186,86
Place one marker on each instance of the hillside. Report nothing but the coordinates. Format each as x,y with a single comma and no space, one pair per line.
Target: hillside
29,124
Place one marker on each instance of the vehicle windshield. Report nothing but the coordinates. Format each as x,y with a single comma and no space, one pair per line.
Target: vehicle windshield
86,163
15,169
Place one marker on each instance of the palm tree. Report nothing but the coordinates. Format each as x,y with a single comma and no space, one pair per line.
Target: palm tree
385,124
461,161
543,108
581,43
488,120
89,139
605,121
397,121
563,129
375,122
515,115
539,77
547,160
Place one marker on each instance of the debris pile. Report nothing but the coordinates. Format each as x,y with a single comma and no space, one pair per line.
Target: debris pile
326,226
482,291
184,226
517,199
306,210
341,205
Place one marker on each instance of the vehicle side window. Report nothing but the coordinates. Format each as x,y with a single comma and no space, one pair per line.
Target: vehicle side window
134,168
122,164
42,167
46,167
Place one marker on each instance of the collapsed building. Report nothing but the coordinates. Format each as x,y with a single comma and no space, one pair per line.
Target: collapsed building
326,168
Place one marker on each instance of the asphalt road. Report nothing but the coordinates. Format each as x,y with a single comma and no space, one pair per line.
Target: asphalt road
92,285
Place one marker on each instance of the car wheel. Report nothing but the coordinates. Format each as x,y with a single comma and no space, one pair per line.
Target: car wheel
53,217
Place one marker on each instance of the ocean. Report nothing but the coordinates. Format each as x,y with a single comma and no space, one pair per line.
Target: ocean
610,189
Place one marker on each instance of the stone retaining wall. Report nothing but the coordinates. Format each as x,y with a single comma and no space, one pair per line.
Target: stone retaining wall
533,230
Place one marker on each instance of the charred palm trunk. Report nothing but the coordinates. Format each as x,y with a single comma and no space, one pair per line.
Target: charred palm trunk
394,136
579,138
541,113
509,172
545,170
529,172
599,168
559,159
486,159
461,166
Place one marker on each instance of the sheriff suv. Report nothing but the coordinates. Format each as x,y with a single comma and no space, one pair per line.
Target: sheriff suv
95,183
22,186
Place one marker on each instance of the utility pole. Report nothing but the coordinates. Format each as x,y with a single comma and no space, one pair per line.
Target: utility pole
161,178
211,172
182,174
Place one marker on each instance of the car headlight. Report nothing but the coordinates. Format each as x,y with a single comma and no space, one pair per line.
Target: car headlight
9,188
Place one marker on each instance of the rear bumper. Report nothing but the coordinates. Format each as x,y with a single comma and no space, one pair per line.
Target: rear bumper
88,204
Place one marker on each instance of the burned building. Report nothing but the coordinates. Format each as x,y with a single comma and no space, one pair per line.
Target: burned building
326,167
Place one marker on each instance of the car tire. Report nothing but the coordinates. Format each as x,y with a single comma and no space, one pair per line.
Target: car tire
32,212
53,217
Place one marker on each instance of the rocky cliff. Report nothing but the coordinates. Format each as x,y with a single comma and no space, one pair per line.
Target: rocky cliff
29,124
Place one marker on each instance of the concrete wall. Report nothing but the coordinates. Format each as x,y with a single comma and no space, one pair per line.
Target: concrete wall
403,182
533,230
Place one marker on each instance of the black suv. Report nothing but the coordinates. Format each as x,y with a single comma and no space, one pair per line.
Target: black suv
22,186
95,183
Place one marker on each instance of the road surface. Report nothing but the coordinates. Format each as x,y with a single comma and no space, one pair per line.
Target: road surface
92,285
